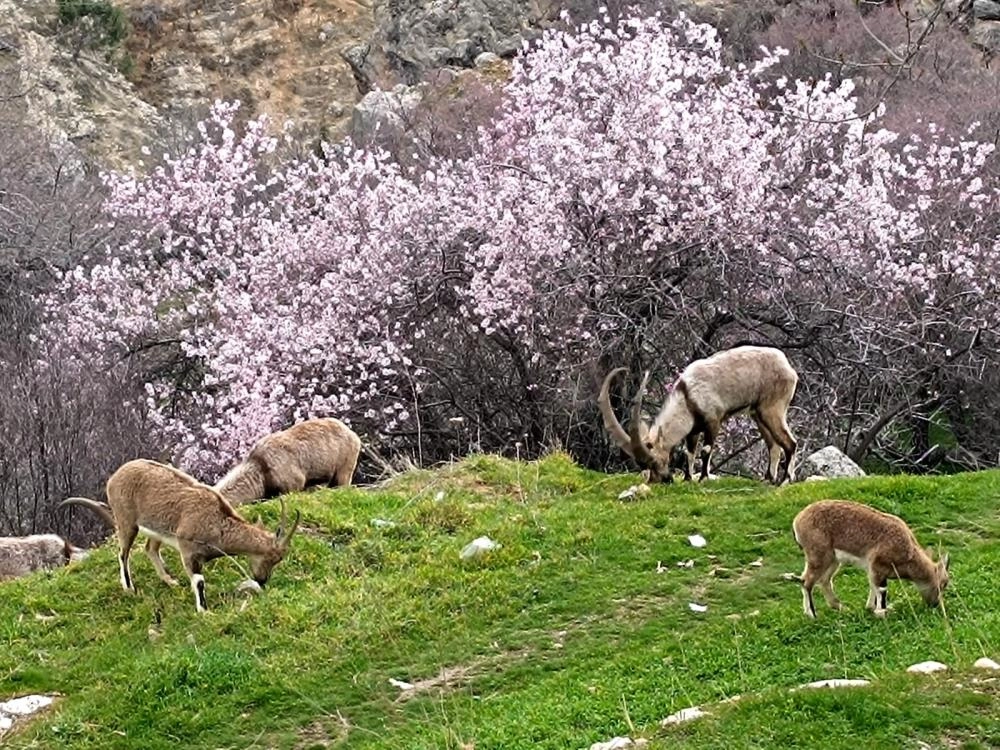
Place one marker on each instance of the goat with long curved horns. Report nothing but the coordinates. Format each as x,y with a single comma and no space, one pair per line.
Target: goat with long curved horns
172,508
754,379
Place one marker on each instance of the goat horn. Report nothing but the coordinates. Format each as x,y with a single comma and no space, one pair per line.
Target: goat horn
286,539
636,432
284,519
611,423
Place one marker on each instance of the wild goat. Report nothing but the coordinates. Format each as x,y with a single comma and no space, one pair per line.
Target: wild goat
757,379
832,532
20,555
173,508
317,451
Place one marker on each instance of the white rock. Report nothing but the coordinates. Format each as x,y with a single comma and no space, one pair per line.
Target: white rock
381,523
685,564
477,547
26,704
836,683
627,494
758,563
985,663
926,667
23,706
400,684
685,714
697,540
697,607
615,743
248,586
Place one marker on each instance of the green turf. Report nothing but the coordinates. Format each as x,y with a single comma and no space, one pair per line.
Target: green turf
575,630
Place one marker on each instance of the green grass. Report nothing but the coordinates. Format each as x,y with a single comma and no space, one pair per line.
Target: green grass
563,636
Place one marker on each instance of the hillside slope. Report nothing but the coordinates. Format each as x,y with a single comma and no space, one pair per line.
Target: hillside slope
576,629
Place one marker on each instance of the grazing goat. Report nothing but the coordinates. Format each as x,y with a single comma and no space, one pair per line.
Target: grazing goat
173,508
20,555
757,379
832,532
317,451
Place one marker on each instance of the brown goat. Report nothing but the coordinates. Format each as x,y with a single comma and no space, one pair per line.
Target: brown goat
832,532
20,555
755,379
170,507
317,451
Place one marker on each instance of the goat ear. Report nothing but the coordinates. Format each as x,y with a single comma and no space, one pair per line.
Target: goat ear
945,561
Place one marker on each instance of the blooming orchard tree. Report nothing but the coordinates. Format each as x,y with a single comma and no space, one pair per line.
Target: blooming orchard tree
637,201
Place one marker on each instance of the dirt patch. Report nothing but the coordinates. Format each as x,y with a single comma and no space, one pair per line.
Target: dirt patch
329,731
450,678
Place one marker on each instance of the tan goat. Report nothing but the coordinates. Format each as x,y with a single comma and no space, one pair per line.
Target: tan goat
832,532
172,508
754,379
317,451
20,555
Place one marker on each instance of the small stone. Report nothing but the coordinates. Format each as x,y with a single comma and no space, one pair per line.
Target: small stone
697,607
486,58
926,667
836,683
985,663
697,540
685,714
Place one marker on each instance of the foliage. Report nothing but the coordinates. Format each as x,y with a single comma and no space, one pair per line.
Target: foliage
637,200
109,24
575,630
63,428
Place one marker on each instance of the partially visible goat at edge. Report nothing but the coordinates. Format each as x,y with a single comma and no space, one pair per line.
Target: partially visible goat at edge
833,532
317,451
21,555
754,379
172,508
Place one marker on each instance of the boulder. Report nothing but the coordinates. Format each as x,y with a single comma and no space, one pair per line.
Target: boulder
829,462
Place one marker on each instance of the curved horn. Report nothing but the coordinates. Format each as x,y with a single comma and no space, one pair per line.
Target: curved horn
637,430
280,532
611,423
286,539
100,509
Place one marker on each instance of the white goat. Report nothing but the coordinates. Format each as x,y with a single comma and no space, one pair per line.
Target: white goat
755,379
317,451
173,508
832,532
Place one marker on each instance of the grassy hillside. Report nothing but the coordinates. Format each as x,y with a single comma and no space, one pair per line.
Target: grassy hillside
575,630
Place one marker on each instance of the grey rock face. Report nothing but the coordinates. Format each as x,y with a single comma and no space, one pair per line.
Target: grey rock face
418,36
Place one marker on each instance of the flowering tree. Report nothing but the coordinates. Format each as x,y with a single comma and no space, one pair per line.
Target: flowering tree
637,201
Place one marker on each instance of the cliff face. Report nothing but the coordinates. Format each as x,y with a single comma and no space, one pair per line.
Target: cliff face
305,60
310,61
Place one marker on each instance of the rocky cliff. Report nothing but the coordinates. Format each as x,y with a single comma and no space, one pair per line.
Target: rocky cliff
305,60
311,61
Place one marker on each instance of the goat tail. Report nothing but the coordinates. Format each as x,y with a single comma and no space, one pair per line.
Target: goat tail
101,509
